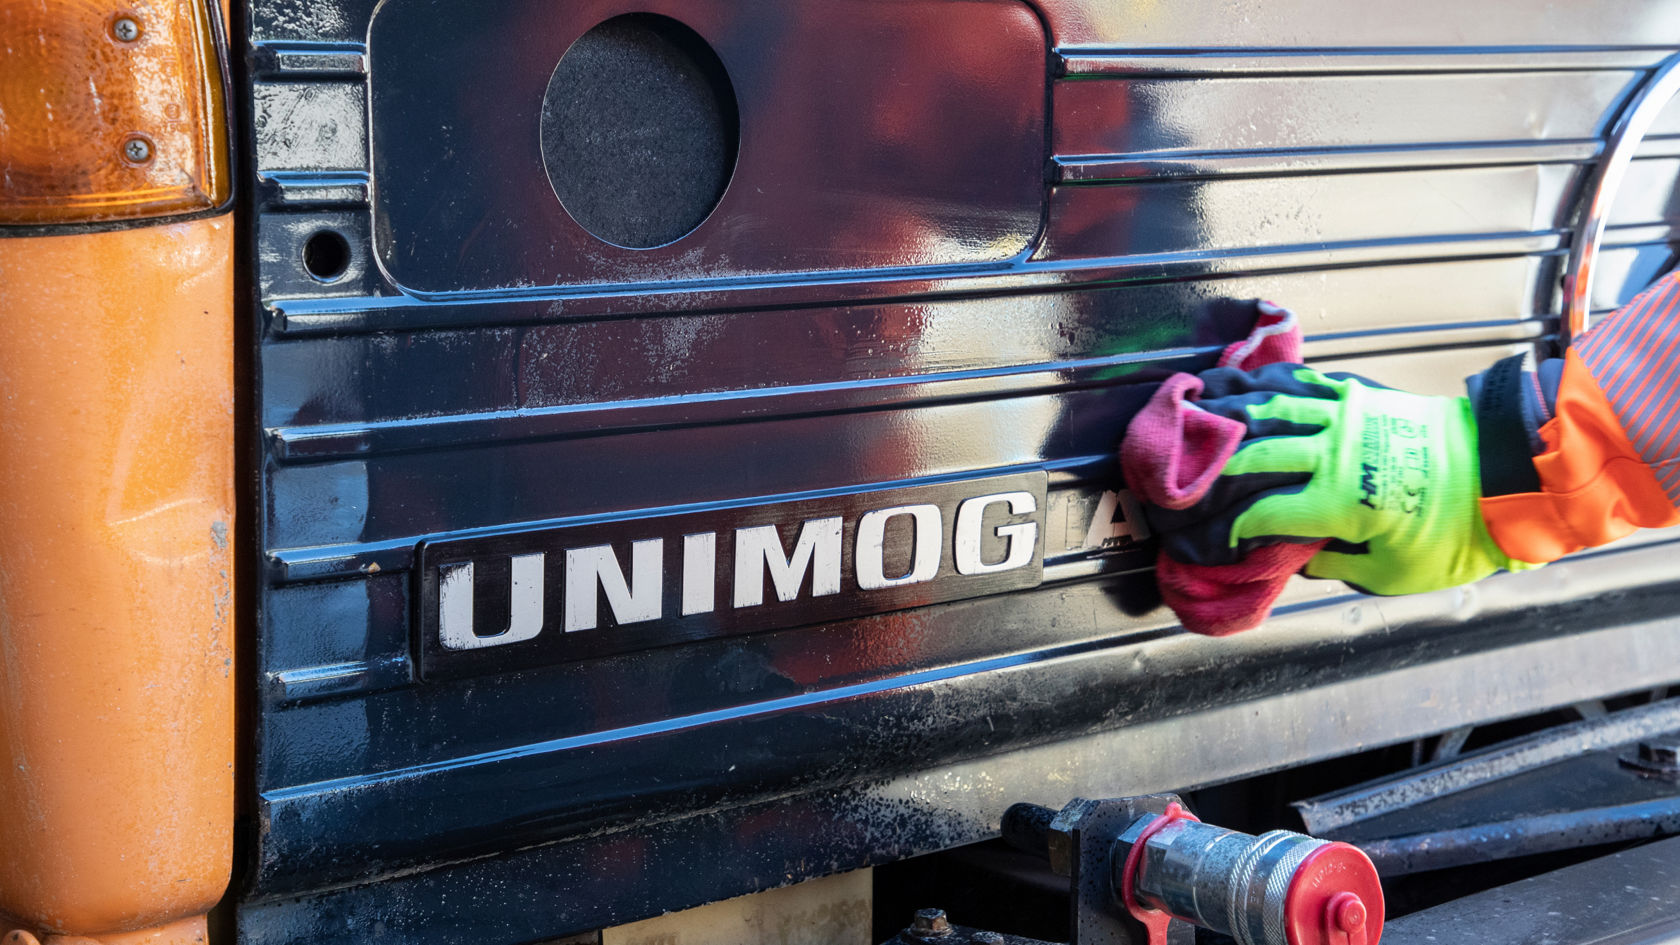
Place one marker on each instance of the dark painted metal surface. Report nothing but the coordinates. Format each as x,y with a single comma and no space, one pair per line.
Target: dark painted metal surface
957,770
1411,202
838,166
1489,769
1525,836
1599,781
1627,898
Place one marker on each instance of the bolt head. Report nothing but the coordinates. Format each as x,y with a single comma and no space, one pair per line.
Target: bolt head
137,149
1660,753
1656,758
930,922
125,29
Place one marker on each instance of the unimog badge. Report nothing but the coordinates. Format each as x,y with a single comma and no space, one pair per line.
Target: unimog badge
516,600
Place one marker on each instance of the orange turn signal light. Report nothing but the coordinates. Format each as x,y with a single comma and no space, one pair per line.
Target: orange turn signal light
109,111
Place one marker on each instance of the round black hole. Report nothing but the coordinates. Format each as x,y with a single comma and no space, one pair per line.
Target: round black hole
326,254
639,130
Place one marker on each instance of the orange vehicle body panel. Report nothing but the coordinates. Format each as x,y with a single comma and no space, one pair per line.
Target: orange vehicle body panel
116,581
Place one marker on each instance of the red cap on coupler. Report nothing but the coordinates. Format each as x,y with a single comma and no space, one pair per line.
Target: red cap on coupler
1334,898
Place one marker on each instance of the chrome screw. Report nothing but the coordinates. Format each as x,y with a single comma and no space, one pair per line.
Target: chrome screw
137,150
126,29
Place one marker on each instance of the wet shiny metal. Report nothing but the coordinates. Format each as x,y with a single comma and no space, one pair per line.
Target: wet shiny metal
836,170
920,319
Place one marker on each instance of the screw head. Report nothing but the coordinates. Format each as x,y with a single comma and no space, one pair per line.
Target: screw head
137,149
930,923
125,29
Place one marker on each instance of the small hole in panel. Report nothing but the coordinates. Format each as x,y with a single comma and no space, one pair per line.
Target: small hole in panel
639,130
326,255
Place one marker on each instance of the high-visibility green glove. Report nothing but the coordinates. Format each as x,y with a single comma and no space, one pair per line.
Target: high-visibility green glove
1391,478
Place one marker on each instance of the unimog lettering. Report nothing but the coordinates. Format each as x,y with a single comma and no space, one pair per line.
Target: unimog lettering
514,600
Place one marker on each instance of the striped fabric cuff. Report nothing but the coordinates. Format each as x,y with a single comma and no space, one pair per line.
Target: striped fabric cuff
1634,354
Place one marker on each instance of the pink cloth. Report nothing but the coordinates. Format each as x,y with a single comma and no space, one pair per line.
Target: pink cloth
1173,452
1219,600
1173,449
1276,339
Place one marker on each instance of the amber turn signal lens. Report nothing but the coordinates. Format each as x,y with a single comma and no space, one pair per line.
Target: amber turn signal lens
109,111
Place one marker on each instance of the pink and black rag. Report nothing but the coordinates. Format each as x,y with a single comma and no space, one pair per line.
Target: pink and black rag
1171,456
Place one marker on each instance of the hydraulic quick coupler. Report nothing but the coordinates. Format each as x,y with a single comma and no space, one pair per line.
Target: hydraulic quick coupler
1141,868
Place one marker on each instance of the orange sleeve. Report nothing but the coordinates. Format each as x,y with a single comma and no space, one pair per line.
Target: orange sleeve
1594,486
